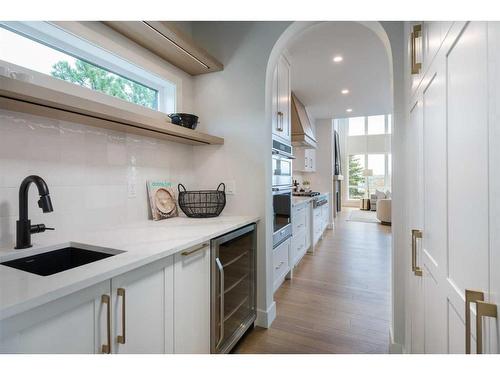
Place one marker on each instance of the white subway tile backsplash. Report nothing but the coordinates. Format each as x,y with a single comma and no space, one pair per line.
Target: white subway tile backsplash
87,170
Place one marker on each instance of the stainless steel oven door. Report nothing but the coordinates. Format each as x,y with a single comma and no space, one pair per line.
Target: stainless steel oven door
282,171
282,208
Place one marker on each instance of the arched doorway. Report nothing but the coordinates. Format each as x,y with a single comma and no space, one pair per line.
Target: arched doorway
396,85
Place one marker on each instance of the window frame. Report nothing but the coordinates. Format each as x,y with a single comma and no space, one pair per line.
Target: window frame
61,40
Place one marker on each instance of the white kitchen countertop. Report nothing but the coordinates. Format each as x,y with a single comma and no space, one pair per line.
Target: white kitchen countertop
296,201
143,243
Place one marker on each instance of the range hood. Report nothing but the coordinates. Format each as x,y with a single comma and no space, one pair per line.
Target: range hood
302,133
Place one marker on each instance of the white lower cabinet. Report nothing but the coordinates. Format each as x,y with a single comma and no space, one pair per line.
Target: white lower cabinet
70,325
142,306
192,300
298,247
325,216
301,236
281,265
132,313
317,227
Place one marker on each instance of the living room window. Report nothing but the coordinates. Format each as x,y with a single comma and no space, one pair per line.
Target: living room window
45,48
357,188
380,166
357,126
368,152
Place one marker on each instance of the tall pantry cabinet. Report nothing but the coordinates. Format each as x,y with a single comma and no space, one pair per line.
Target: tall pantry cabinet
453,222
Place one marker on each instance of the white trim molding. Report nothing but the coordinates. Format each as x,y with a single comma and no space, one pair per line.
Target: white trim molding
266,318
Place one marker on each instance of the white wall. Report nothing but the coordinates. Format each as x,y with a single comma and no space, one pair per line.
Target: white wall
232,104
396,36
87,168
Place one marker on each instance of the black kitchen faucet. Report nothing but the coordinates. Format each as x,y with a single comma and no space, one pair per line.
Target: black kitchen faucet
23,225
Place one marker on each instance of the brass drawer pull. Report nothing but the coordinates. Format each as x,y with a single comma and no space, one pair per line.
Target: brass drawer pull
106,348
416,33
415,233
483,309
189,252
121,338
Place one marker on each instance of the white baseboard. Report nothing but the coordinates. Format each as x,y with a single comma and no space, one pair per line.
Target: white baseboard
394,347
266,318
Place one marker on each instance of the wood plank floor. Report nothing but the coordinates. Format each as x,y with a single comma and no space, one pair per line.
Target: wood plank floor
338,300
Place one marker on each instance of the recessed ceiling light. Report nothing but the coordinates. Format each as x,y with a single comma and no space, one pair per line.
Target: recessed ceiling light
349,110
345,91
338,59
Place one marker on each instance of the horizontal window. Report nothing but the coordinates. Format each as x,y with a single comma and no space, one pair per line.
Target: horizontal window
47,49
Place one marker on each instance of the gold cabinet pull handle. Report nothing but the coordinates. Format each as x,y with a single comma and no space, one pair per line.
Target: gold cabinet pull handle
483,309
280,121
192,251
415,233
471,296
416,33
121,338
106,348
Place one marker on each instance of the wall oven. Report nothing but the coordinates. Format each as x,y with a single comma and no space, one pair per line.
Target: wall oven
233,287
282,164
282,209
282,191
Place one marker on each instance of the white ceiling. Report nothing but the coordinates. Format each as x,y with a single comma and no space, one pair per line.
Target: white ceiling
317,80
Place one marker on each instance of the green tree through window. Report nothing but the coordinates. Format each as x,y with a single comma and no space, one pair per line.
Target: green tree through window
95,78
356,179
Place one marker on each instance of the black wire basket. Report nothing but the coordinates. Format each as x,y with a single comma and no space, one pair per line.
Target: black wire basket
202,203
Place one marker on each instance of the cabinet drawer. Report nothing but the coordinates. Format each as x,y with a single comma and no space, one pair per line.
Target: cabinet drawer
317,215
298,246
280,262
299,220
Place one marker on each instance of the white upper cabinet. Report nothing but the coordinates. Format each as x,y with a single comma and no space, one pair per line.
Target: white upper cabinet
142,305
192,300
281,100
305,159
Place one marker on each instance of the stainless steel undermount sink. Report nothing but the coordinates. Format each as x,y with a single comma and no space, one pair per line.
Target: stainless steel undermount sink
58,260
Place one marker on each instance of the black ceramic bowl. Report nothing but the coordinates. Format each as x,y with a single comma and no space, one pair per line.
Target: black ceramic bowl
186,120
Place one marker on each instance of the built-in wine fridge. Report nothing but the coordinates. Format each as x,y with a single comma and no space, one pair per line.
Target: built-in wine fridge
233,287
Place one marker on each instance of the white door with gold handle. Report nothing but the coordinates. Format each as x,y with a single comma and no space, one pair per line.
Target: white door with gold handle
142,317
483,310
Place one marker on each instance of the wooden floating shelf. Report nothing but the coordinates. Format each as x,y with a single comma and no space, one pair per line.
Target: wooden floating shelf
110,113
167,41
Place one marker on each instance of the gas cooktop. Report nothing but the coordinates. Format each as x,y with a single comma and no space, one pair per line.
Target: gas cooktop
305,193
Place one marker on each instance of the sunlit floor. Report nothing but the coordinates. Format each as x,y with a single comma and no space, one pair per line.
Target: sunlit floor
339,298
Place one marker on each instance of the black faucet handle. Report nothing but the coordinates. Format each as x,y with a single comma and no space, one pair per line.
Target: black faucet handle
39,228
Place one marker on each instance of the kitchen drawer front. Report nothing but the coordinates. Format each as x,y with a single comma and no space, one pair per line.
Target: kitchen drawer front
280,262
317,217
298,246
299,219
